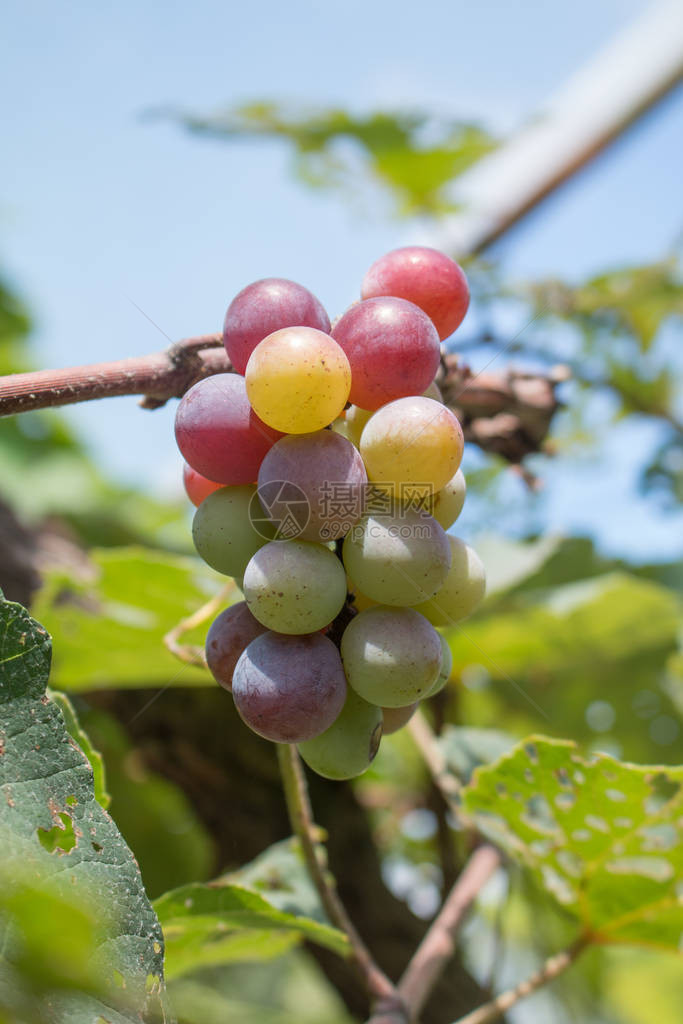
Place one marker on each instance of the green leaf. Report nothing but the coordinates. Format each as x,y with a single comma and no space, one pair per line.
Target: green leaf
279,874
218,923
604,837
56,838
110,630
78,733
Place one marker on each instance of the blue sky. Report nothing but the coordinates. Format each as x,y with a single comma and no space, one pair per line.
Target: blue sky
101,209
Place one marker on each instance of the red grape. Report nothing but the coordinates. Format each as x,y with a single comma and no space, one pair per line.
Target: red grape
430,279
218,432
289,688
229,635
197,487
392,347
266,306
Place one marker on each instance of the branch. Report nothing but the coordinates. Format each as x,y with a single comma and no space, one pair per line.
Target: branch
158,377
427,744
508,414
383,992
554,966
438,945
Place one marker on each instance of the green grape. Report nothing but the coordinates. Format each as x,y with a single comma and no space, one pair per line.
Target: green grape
222,531
412,441
391,656
397,560
463,589
446,505
445,670
355,420
349,745
298,380
394,719
294,587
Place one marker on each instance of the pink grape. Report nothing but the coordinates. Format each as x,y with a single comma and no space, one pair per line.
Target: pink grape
230,634
394,719
430,279
266,306
289,688
197,487
218,432
324,469
392,347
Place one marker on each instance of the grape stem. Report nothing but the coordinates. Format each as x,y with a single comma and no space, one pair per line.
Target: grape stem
507,413
553,966
380,988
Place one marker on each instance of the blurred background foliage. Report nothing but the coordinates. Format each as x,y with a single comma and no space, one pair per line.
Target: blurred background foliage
569,642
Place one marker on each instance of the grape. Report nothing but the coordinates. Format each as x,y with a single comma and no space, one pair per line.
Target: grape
266,306
324,469
397,560
219,434
298,380
392,347
430,279
229,635
434,391
355,420
348,746
391,656
222,530
394,719
446,505
293,586
446,668
197,487
463,589
289,688
412,442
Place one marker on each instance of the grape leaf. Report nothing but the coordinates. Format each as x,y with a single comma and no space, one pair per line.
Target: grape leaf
56,838
465,747
216,923
110,630
604,837
78,733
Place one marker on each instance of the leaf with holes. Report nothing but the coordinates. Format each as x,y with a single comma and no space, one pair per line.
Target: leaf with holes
604,837
56,840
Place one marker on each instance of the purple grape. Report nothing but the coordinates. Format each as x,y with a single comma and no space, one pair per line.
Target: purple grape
289,688
266,306
218,432
230,634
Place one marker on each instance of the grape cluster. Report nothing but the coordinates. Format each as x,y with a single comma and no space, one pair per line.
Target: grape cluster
325,472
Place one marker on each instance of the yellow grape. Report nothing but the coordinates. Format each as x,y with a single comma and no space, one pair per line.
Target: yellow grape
298,380
463,589
412,442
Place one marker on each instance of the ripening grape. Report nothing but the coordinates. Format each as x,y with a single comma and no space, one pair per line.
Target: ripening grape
218,432
266,306
197,487
446,505
298,380
348,746
222,529
394,719
446,668
391,656
430,279
230,634
397,560
433,391
392,347
289,688
355,419
412,441
295,586
326,470
463,589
